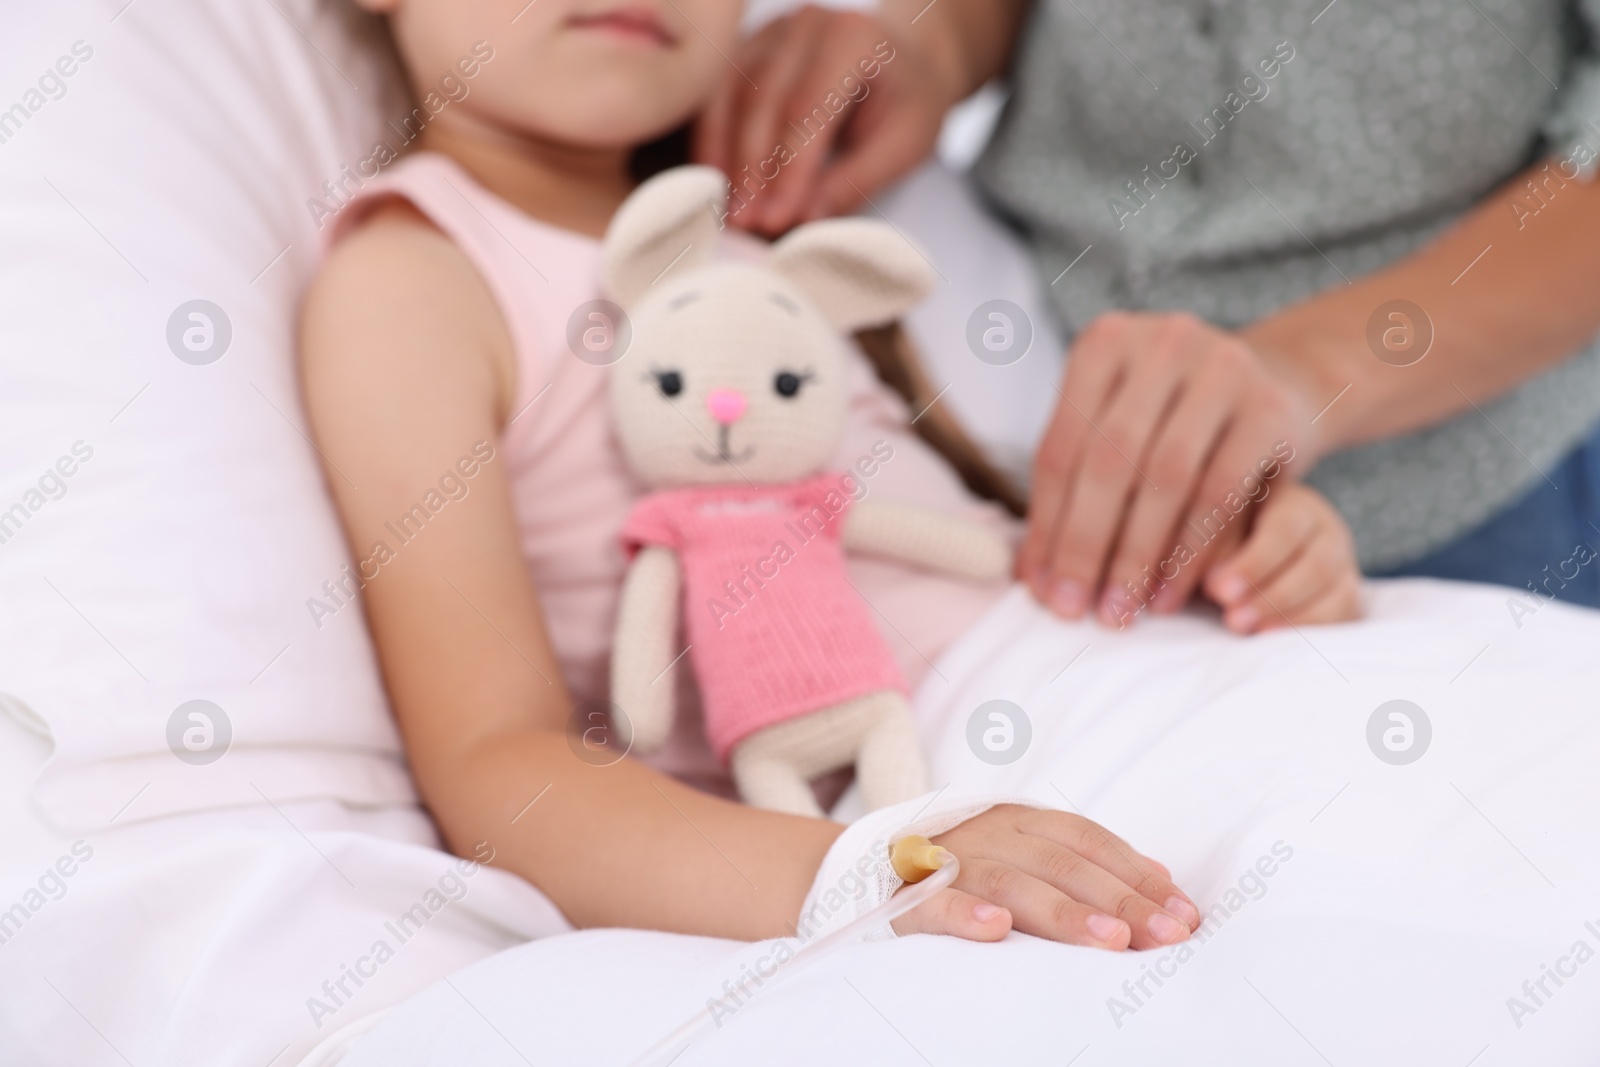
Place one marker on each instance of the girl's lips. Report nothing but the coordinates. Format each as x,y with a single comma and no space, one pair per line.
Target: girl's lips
634,23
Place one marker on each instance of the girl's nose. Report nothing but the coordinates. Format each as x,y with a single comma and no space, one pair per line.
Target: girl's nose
726,405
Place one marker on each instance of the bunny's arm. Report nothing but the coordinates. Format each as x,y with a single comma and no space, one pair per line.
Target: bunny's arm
643,668
927,539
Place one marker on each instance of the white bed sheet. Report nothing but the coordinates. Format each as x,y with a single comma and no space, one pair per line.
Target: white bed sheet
1415,902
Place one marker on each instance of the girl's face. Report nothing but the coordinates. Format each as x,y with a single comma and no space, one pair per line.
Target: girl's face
589,73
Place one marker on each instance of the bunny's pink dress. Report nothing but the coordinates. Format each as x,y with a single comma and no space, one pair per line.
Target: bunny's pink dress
775,627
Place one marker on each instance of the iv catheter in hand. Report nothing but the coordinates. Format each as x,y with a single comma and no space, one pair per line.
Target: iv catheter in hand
926,869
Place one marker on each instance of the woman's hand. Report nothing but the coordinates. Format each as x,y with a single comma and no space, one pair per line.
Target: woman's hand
1054,875
1298,567
1161,418
894,103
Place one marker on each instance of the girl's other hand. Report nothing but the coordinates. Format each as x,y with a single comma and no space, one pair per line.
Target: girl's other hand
1054,875
1297,567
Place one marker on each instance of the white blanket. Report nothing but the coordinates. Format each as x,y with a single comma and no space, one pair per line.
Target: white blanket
1361,911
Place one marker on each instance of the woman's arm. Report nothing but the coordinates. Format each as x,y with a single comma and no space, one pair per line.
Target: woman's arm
407,365
1508,292
968,42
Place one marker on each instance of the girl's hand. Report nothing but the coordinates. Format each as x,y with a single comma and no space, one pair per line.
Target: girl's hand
1297,567
1054,875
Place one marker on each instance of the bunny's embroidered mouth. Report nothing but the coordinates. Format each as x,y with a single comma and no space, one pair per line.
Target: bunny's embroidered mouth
723,454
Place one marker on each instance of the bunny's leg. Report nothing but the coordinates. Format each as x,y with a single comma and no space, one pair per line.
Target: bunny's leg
889,765
769,778
774,766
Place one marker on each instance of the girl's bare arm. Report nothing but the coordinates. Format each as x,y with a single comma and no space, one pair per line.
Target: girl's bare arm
407,366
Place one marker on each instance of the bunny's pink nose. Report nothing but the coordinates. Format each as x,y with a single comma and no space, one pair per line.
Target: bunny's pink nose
726,405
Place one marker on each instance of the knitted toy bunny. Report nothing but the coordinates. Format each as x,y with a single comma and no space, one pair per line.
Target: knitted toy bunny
730,403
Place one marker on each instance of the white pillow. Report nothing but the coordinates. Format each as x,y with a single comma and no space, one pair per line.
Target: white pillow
181,159
163,521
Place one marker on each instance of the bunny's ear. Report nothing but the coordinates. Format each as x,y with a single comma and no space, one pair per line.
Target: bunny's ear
859,272
670,222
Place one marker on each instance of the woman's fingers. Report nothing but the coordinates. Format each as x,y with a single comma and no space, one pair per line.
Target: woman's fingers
717,130
1051,482
958,914
1094,371
894,127
813,135
1111,472
1222,509
886,139
759,170
1038,908
819,111
1154,560
713,129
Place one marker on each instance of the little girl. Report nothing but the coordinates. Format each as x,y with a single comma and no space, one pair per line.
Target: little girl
434,346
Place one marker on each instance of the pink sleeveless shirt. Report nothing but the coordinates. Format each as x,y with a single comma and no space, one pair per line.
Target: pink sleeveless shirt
572,490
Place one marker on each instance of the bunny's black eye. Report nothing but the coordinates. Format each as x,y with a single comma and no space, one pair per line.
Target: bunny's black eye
787,384
670,382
